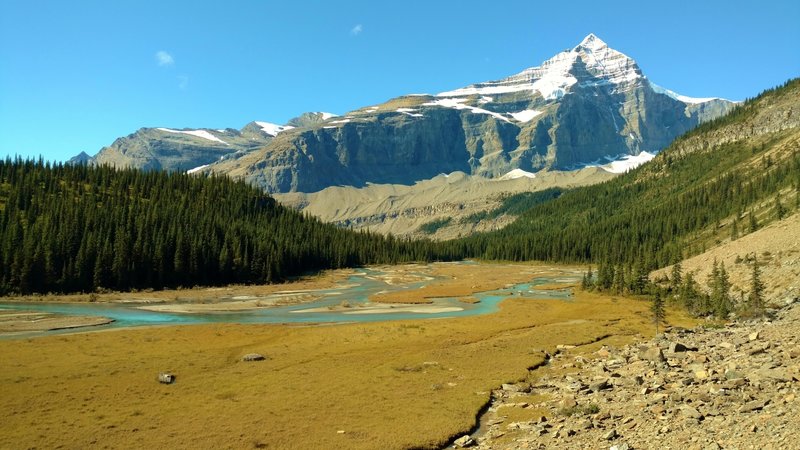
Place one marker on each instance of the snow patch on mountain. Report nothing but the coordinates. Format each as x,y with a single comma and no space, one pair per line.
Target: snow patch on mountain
458,103
517,173
526,115
626,163
196,133
679,97
272,129
410,112
197,169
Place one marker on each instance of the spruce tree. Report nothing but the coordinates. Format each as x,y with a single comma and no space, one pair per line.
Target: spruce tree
720,295
689,293
753,222
780,211
756,297
657,308
676,277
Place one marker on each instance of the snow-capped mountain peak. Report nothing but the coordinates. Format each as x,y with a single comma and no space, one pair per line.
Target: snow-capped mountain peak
591,42
554,77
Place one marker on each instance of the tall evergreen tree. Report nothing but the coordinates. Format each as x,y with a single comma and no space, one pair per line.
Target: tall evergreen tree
780,211
753,222
676,277
657,308
756,296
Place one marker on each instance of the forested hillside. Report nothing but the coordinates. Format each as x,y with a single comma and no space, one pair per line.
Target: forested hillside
724,179
68,228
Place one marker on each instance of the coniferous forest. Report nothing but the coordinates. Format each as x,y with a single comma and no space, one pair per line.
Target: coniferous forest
72,228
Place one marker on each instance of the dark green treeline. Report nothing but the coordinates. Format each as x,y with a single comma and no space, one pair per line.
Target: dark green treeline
67,228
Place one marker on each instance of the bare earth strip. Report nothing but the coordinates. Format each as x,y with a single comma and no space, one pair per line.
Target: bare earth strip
14,321
373,385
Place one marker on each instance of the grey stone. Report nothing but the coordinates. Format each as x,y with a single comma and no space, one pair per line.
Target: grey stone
692,412
600,385
253,357
652,354
610,435
517,387
568,402
464,441
166,378
754,405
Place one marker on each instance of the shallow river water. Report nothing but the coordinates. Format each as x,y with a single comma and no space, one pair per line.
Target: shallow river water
355,292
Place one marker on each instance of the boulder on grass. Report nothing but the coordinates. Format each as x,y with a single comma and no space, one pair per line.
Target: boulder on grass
166,378
253,357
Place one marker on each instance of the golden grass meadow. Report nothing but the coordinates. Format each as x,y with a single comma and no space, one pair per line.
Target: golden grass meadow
397,384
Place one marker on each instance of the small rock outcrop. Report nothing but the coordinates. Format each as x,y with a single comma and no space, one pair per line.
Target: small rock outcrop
253,357
734,387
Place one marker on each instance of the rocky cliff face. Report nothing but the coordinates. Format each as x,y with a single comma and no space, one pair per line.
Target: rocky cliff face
581,106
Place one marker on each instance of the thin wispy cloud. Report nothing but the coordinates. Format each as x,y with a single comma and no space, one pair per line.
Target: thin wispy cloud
164,59
183,82
356,30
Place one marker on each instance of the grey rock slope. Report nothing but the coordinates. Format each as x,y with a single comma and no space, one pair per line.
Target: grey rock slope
189,149
583,105
181,150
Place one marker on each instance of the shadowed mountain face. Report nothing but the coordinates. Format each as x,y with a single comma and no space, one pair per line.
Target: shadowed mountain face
580,106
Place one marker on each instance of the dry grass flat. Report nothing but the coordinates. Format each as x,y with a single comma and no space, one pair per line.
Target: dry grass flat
385,385
463,281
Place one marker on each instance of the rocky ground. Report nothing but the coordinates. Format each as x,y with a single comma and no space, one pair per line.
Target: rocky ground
733,387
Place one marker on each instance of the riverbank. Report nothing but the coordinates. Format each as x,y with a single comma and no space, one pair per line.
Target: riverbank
297,287
396,384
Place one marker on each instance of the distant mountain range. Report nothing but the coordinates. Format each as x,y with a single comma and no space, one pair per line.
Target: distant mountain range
587,105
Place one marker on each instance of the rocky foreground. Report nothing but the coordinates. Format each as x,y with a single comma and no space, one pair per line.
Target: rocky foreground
734,387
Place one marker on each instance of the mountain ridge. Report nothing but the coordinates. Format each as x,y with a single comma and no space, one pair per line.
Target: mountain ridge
585,104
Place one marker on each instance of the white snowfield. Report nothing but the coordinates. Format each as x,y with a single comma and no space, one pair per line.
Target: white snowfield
517,173
197,133
625,163
679,97
525,115
197,169
458,103
273,129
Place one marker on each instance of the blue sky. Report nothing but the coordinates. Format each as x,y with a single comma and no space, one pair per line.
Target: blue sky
75,75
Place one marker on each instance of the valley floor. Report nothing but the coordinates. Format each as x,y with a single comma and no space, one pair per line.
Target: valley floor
396,384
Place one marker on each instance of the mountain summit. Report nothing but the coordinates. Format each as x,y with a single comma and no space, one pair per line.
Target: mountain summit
584,106
590,63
